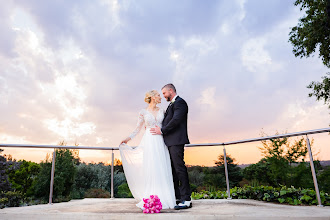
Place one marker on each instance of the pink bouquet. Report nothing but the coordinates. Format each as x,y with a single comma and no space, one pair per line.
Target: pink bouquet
152,204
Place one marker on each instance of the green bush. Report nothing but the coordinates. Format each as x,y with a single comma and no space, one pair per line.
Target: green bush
124,191
95,176
324,179
23,177
97,193
11,199
287,195
65,171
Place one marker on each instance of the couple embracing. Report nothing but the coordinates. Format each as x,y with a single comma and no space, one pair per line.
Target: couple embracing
156,166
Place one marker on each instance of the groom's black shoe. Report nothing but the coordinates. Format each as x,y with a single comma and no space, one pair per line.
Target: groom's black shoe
178,201
183,205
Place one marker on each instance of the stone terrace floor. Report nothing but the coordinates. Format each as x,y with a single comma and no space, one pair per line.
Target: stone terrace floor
202,209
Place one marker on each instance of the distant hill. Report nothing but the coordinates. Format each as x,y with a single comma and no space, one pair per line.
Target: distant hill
325,163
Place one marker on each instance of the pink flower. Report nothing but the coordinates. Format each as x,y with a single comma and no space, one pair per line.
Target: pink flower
152,204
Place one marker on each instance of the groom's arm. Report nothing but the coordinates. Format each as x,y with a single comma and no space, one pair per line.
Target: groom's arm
180,113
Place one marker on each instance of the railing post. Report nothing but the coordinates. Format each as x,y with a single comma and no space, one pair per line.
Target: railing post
52,178
112,174
226,171
313,172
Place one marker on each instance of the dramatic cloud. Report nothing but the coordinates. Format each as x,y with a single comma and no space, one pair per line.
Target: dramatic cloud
78,71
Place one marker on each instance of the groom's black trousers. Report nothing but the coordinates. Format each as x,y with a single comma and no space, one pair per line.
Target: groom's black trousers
180,174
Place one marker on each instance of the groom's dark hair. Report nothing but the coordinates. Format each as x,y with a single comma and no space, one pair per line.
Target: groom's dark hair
170,86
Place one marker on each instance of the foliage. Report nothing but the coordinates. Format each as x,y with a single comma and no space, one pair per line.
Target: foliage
324,179
23,177
259,173
64,173
203,178
321,90
41,186
97,176
11,199
288,195
312,31
124,191
4,181
196,177
279,155
214,179
282,148
63,177
234,172
83,180
97,193
302,176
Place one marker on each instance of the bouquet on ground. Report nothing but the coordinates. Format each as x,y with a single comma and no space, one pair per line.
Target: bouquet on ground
152,204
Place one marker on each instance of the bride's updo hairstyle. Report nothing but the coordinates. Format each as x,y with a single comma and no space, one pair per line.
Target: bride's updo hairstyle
149,95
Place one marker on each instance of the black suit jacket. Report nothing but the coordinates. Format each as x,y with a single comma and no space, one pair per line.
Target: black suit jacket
174,125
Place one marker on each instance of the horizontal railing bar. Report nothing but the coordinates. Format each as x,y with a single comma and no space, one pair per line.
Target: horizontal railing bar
262,138
60,147
187,145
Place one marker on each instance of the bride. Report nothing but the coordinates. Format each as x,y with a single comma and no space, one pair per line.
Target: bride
148,166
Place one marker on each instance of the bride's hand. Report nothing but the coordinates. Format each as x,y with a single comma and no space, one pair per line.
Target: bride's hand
125,141
156,131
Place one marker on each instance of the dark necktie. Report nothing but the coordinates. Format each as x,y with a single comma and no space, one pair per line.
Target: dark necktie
168,107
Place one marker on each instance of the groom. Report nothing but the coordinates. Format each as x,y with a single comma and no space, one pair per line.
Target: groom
174,130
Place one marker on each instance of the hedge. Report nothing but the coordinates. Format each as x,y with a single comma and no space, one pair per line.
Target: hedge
283,194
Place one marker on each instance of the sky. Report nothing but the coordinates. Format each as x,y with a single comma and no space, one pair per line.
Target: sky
78,71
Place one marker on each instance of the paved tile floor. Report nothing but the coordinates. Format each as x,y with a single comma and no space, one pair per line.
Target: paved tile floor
202,209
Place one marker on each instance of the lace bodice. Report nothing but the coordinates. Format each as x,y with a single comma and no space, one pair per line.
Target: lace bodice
148,120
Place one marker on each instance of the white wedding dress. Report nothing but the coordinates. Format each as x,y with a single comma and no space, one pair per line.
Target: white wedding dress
147,167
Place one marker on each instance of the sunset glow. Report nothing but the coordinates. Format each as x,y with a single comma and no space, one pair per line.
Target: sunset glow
78,72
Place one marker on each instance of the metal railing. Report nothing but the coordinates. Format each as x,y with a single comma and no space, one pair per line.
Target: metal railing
54,156
302,133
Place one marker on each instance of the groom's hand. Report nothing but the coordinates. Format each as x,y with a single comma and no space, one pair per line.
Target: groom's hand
155,131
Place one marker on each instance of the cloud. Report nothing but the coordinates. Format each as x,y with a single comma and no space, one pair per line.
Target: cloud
207,97
254,56
188,55
79,70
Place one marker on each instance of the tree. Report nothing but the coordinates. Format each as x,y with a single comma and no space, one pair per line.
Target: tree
24,176
282,148
196,178
324,179
4,181
234,172
64,173
41,187
259,173
280,153
63,177
83,180
313,30
321,90
95,176
302,176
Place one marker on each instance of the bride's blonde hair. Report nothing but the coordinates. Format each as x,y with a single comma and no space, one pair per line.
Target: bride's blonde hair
149,95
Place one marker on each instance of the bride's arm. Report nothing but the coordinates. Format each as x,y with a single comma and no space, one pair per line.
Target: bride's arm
139,125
